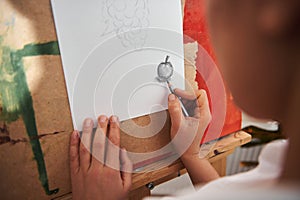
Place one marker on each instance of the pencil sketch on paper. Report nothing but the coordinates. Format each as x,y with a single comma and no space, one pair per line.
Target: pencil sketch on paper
127,19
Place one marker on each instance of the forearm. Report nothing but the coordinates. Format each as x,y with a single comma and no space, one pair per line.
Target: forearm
199,170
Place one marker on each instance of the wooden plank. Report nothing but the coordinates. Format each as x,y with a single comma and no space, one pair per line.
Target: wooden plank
141,179
220,156
217,150
224,144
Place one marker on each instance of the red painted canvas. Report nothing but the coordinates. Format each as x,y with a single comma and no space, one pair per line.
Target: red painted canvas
226,117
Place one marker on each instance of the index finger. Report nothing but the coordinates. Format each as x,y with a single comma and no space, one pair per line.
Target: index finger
201,100
188,95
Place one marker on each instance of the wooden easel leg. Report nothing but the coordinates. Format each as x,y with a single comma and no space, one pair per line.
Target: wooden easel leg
220,166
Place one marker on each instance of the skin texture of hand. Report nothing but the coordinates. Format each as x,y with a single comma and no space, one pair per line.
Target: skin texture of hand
104,174
197,105
190,131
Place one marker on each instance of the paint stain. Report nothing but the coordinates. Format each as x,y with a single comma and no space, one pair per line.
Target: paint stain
15,97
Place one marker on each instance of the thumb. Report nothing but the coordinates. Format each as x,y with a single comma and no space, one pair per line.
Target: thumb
126,169
175,111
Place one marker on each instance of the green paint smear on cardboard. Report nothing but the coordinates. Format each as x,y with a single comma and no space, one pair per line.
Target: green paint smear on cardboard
50,48
16,99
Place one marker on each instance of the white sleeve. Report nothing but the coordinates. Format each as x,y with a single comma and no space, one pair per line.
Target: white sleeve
265,176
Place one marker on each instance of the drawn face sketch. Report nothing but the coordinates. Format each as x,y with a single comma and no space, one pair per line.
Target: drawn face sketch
127,19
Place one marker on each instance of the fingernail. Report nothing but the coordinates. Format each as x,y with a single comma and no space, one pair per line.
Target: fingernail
114,119
172,97
102,119
87,123
75,135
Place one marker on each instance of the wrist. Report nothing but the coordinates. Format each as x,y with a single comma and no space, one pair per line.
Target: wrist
199,169
191,153
190,157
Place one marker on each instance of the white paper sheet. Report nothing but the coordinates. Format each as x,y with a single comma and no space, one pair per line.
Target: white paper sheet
110,51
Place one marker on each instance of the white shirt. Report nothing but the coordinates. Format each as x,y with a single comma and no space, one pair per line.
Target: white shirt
258,183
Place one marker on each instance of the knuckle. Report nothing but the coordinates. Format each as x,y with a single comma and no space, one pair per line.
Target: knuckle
203,92
114,126
207,118
174,108
83,150
75,171
115,139
73,156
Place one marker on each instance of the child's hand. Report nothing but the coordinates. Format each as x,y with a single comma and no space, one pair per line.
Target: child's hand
186,133
189,130
106,174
